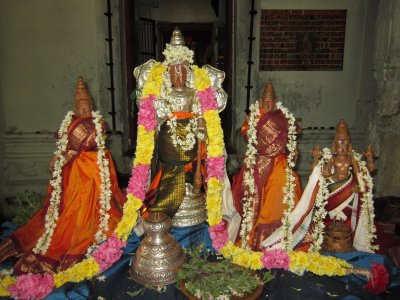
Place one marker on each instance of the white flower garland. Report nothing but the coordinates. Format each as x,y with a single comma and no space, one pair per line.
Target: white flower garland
105,183
191,128
290,183
288,189
191,131
177,53
367,207
321,201
52,213
248,180
51,217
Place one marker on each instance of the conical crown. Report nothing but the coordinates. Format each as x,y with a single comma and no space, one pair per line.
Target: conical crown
342,132
176,52
81,92
177,38
269,91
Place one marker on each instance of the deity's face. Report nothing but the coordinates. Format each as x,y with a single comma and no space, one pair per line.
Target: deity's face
342,146
83,108
268,103
178,75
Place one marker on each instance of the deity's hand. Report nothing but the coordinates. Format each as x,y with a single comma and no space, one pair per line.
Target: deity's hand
326,169
369,156
52,162
198,180
202,130
356,188
316,154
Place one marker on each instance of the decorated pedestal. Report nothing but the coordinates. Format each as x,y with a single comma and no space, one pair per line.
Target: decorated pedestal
159,255
338,238
192,210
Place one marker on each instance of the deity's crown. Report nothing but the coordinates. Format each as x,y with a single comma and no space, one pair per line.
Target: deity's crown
269,91
342,132
81,92
176,52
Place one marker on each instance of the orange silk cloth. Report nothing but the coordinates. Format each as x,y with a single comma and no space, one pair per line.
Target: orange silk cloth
271,206
269,176
79,216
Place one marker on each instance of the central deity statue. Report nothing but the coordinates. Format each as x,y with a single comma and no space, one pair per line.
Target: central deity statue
177,169
177,166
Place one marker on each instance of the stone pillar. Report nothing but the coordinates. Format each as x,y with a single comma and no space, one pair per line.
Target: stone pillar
385,129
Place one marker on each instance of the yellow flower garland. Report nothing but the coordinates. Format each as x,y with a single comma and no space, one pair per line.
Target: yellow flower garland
144,150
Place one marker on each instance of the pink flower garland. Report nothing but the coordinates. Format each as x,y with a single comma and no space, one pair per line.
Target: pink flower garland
207,98
147,113
108,252
137,182
215,167
32,286
147,118
275,259
219,235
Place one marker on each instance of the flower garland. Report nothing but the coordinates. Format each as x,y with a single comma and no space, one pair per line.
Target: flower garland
191,128
318,264
321,201
177,53
288,189
105,183
51,217
367,207
250,190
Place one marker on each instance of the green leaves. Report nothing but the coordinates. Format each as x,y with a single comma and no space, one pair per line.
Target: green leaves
29,202
213,279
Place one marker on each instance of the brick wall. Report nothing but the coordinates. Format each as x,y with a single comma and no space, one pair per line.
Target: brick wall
302,40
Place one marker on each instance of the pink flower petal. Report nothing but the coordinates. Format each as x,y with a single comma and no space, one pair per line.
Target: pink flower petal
207,99
147,113
215,167
137,182
32,286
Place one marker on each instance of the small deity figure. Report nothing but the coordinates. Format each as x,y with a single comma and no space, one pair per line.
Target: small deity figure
83,202
340,188
271,162
341,170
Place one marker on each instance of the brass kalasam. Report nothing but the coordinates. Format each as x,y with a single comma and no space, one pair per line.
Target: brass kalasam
192,210
159,255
